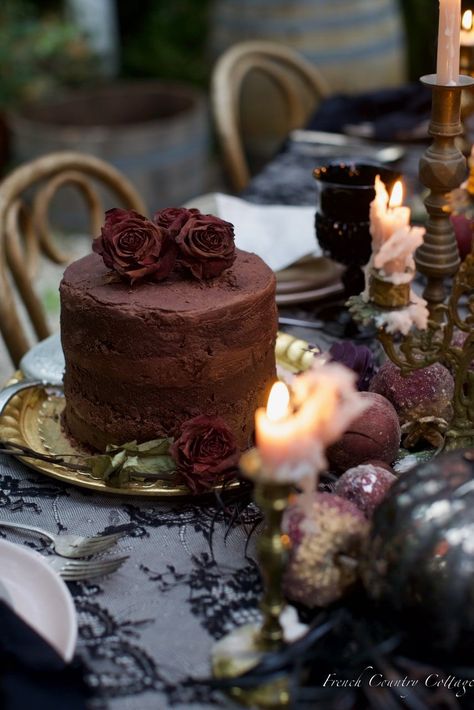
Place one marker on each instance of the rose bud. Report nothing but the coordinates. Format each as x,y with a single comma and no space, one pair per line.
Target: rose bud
173,218
326,542
375,434
134,247
205,453
206,246
365,486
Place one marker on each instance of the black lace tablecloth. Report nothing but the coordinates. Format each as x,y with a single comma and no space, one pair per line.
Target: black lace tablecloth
146,632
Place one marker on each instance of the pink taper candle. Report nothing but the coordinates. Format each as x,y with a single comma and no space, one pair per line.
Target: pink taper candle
448,42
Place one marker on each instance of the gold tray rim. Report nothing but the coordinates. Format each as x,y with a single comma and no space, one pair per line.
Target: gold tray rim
291,353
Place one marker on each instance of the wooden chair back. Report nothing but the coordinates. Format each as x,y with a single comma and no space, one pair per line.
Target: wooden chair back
25,231
300,84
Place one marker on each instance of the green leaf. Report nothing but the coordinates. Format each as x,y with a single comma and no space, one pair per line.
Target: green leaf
121,464
119,459
131,446
158,465
101,465
155,447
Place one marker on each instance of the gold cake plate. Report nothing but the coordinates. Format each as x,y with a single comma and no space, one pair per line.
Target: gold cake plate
32,419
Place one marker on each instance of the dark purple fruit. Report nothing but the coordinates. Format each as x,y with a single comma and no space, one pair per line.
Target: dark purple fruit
375,434
326,546
422,393
365,486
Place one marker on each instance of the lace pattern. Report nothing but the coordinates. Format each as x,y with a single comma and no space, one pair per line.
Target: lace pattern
146,632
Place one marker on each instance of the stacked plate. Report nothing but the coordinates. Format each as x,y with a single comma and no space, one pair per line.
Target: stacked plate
309,279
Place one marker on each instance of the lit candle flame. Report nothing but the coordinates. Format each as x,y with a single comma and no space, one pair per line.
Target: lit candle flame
467,21
396,198
278,402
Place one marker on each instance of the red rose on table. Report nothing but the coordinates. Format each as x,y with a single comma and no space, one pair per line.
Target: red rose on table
205,453
173,218
206,246
135,247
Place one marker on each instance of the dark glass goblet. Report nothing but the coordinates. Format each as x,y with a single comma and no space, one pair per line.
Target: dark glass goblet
345,191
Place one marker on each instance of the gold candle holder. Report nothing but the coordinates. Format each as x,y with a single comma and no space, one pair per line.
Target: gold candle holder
442,169
386,294
272,547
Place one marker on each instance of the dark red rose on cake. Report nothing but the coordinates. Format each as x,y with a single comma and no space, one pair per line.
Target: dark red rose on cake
205,453
206,246
135,247
173,218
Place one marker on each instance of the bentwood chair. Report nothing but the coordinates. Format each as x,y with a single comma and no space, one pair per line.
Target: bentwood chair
26,233
241,109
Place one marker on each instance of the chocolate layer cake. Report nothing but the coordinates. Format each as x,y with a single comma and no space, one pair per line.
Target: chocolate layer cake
142,359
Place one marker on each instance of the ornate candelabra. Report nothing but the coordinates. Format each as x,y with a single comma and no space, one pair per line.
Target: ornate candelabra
449,335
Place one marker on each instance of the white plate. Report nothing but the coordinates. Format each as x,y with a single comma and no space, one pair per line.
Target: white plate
39,596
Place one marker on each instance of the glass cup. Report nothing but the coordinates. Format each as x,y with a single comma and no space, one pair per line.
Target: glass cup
345,191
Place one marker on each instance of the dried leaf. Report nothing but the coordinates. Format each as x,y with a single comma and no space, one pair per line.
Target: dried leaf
101,465
121,464
155,447
159,465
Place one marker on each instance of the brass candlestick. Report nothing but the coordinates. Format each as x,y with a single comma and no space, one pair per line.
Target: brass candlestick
272,547
243,648
442,169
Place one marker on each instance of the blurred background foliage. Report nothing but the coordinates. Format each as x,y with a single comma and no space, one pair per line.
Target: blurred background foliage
165,39
421,21
40,51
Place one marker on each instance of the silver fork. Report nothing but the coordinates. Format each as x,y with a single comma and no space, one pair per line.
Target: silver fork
75,570
69,545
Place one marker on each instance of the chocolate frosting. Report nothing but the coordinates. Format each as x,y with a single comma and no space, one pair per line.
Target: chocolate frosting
140,360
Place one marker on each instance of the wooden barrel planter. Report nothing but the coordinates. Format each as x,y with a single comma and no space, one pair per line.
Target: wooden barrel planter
358,46
157,134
